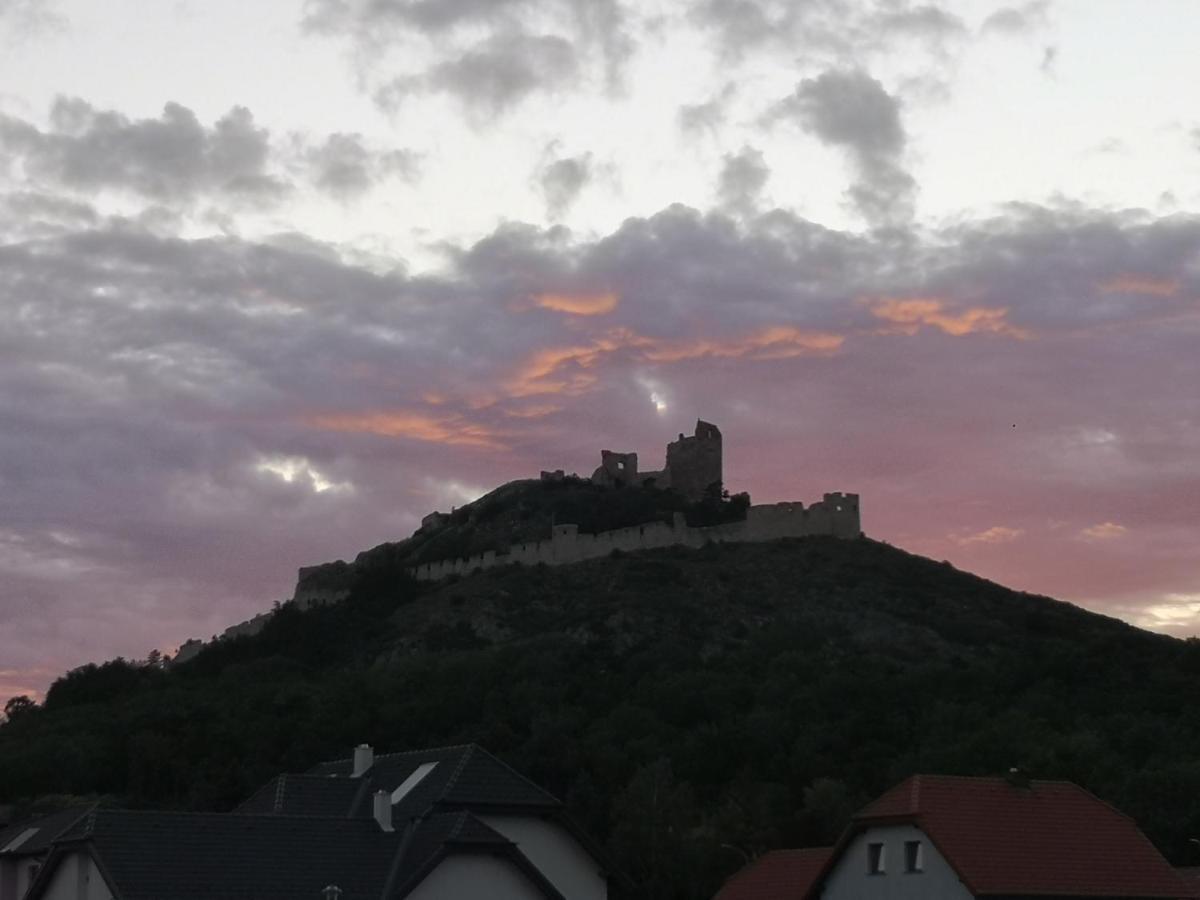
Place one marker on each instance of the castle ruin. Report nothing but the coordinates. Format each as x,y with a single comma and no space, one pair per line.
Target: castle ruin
692,468
693,465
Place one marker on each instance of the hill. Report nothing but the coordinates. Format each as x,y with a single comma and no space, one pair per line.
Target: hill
689,705
521,512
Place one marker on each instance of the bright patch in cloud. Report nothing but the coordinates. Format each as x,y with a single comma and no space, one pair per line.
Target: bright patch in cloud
1176,612
997,534
451,430
1141,284
1105,531
452,493
908,314
578,304
298,470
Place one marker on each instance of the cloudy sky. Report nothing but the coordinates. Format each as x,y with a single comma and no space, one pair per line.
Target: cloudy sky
278,278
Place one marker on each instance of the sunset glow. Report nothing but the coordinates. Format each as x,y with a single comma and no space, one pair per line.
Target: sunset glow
278,279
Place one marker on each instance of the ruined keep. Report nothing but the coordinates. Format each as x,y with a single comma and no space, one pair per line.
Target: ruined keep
693,465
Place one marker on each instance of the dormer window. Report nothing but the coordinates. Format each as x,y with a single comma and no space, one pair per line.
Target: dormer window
914,858
875,859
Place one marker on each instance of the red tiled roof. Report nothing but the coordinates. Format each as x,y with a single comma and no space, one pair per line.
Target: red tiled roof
778,875
1049,837
1191,879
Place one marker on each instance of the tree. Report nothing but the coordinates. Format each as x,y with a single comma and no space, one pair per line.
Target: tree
17,707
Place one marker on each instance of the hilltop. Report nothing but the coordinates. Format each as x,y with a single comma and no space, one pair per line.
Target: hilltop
680,700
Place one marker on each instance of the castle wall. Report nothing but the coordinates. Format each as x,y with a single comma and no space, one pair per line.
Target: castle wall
836,515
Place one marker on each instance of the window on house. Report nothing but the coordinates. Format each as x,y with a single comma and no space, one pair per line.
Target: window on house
875,859
913,857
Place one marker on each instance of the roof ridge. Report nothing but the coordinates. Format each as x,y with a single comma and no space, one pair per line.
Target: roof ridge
394,753
459,821
280,789
937,777
462,764
206,814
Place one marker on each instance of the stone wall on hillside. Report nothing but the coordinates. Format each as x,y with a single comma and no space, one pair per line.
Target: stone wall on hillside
836,515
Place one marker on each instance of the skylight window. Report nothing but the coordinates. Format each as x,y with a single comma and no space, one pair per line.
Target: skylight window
21,838
412,781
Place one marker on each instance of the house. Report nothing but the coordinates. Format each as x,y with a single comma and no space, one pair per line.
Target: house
25,845
452,822
956,838
1191,877
780,873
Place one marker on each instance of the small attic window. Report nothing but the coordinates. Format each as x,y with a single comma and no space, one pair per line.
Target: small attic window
914,858
412,781
875,859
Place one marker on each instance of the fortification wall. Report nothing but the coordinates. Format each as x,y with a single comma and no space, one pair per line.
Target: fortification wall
836,515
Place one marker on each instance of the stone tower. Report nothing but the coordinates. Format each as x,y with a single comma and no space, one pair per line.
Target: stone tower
694,463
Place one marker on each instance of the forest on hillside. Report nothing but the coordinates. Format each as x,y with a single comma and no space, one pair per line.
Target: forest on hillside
692,707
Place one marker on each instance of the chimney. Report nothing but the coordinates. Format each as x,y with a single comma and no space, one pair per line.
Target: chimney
1017,778
383,810
364,758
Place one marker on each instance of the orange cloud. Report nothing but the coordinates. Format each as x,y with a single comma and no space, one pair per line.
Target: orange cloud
450,430
578,304
533,412
908,314
1105,531
562,370
1141,284
997,534
775,342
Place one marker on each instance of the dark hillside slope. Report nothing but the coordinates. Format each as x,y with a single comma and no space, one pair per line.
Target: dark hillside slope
681,701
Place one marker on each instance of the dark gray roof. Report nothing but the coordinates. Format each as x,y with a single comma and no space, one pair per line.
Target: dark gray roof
204,856
306,795
46,828
465,777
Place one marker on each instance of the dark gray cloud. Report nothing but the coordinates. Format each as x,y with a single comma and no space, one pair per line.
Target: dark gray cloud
1019,19
185,422
494,75
706,117
927,23
562,180
490,55
833,31
25,17
743,176
851,110
172,157
345,166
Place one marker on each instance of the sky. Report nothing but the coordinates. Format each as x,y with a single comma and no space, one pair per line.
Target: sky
279,278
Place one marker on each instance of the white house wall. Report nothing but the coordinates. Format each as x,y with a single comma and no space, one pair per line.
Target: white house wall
462,877
556,853
850,879
77,878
